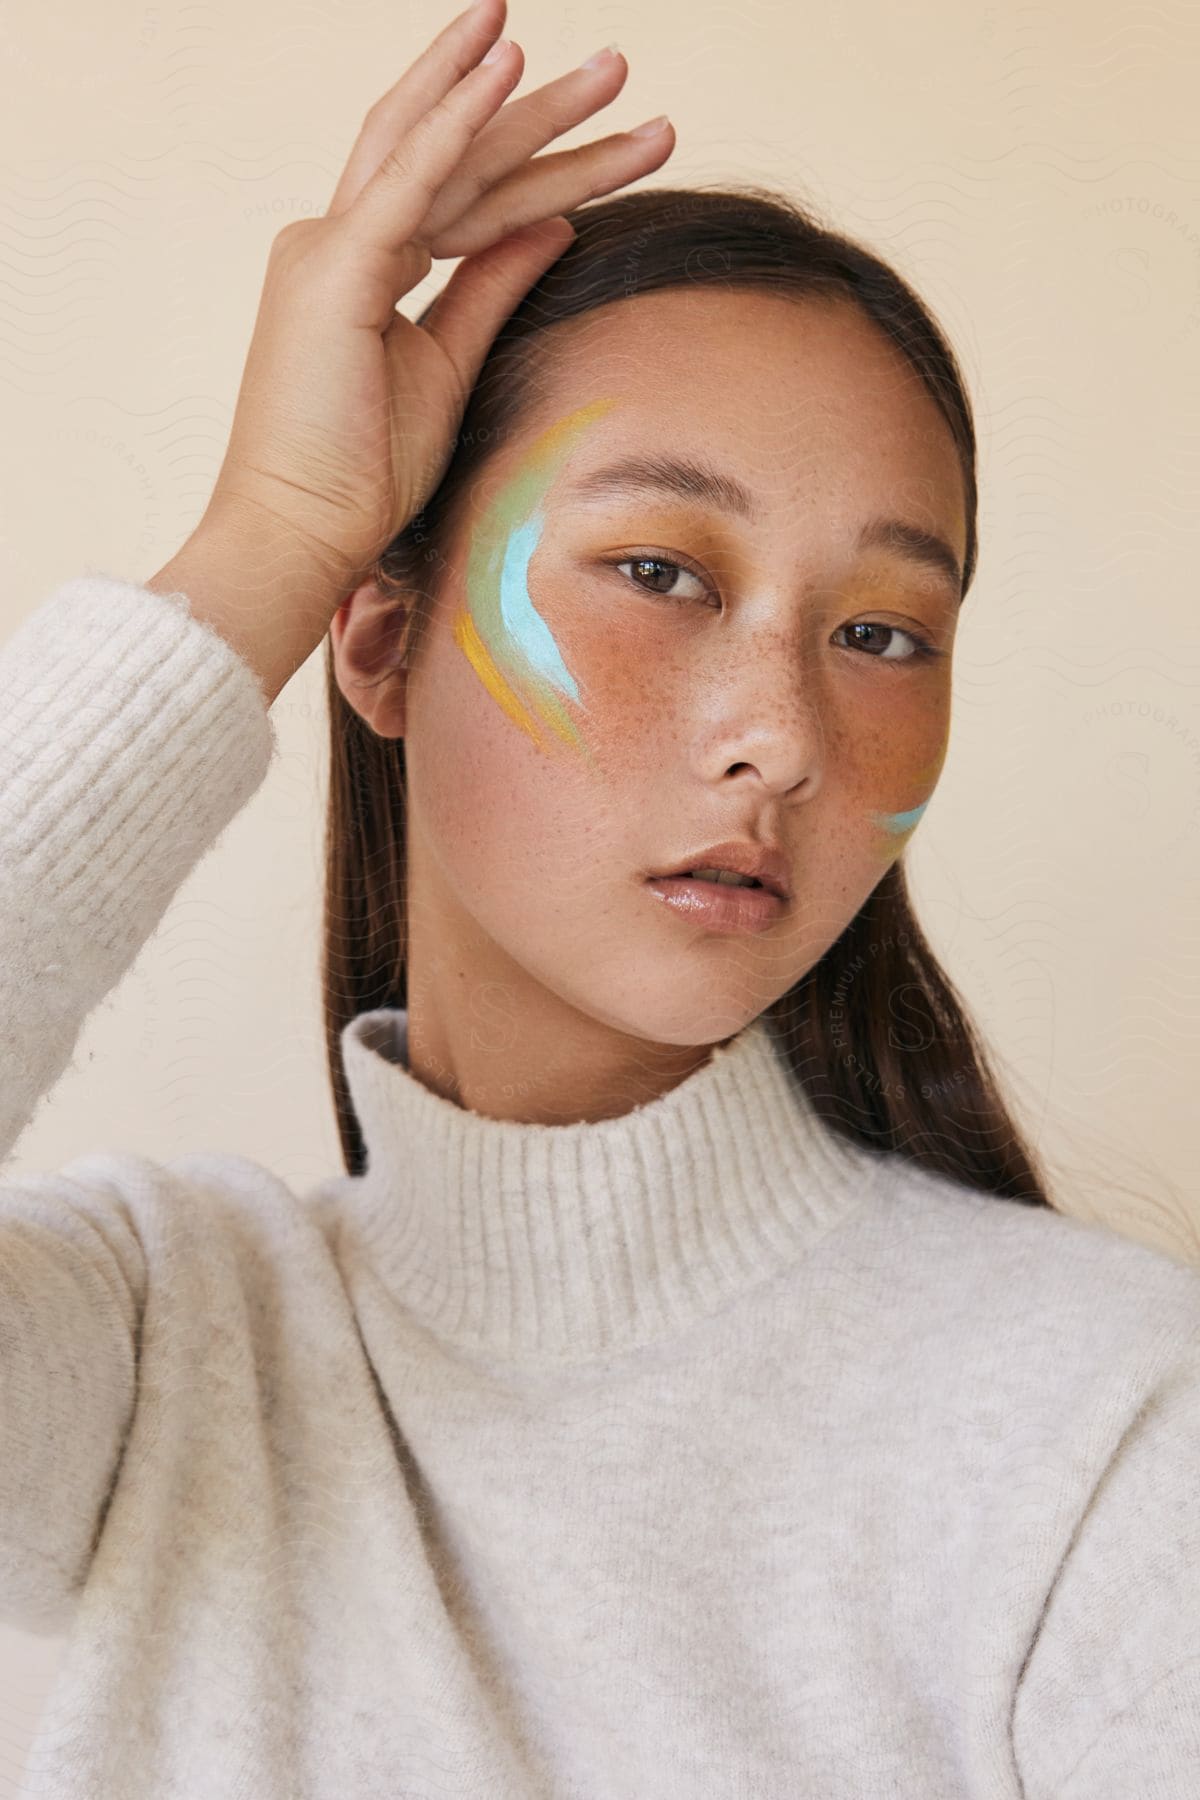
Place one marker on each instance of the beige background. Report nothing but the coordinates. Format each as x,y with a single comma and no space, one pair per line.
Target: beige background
1033,170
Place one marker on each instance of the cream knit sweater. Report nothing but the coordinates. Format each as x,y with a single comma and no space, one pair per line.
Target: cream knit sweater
693,1453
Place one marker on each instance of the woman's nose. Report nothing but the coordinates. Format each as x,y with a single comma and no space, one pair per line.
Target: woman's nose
776,729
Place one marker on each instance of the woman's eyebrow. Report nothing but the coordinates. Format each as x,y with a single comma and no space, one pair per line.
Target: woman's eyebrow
666,475
688,479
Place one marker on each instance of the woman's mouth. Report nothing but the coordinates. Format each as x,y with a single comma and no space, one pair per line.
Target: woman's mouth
720,905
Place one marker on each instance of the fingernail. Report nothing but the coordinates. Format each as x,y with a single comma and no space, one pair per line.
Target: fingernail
600,58
651,128
497,50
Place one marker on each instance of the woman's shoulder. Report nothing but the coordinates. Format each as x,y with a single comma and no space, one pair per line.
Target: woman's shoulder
165,1206
1014,1266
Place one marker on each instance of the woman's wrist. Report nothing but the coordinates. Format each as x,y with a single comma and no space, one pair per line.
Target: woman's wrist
269,595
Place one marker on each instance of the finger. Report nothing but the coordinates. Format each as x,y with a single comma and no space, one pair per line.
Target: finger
390,207
485,289
553,184
451,55
520,129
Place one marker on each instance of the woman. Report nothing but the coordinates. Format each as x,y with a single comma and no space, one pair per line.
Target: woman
688,1389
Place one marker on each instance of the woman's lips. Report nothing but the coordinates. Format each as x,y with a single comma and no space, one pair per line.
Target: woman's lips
719,905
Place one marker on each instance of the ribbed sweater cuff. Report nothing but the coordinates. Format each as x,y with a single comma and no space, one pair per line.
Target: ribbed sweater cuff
130,736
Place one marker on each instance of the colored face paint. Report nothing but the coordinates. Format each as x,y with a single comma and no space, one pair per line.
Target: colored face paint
896,825
900,821
504,637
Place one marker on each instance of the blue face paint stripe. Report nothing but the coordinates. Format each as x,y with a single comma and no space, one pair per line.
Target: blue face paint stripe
901,821
522,621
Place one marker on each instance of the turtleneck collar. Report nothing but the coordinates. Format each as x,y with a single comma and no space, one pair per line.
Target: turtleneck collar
558,1243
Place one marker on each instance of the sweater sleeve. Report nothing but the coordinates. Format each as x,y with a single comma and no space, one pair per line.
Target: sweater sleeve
1109,1704
130,736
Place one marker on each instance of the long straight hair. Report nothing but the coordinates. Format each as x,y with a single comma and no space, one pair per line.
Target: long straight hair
875,1032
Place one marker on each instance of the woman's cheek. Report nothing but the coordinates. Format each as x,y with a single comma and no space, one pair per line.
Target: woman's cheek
470,765
626,670
901,784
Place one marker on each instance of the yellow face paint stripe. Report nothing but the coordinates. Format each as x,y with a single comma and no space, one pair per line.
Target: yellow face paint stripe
476,651
505,639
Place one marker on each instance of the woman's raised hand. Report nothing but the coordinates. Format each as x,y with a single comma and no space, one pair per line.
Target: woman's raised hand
347,410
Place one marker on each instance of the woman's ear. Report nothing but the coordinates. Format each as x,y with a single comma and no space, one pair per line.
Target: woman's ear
369,631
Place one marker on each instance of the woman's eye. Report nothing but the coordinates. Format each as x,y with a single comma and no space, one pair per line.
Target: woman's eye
919,647
644,567
667,575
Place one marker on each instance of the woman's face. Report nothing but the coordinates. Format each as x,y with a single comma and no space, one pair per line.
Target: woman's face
614,677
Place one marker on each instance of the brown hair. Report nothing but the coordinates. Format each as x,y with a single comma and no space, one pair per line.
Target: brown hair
874,1032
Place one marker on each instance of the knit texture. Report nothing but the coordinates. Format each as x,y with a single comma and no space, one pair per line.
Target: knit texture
691,1453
